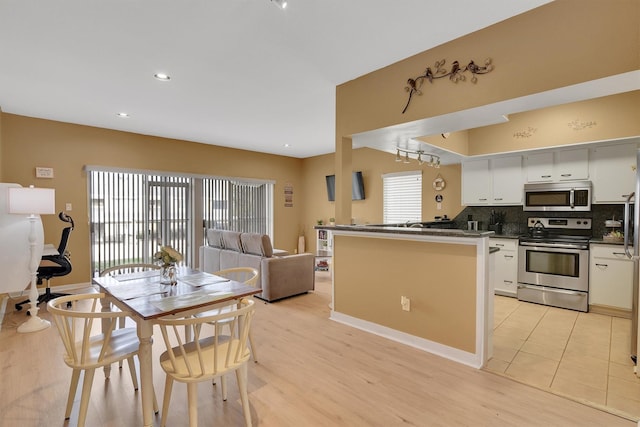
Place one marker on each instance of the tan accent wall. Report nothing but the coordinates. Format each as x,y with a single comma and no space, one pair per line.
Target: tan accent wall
67,148
373,164
556,45
371,274
599,119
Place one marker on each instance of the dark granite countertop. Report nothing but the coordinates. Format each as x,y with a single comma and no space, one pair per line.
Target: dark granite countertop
440,232
506,236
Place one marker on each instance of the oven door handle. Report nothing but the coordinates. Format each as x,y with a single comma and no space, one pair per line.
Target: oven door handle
572,198
556,290
554,245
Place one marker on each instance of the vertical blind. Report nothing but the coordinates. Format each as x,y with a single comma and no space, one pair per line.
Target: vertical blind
402,197
238,205
133,213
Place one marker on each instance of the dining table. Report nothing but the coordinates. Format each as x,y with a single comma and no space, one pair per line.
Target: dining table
147,299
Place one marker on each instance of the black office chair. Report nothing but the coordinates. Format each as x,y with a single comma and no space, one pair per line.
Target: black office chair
62,265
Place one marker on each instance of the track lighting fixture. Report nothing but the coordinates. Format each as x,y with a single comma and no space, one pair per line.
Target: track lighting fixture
434,159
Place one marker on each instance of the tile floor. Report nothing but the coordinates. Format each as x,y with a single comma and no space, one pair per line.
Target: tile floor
581,355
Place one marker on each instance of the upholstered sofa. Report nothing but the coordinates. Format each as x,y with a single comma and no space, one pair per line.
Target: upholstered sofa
280,276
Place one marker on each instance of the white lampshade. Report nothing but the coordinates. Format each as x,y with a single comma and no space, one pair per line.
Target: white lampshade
32,201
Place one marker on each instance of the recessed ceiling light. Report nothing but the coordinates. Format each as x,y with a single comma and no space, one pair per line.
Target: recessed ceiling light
123,115
286,145
282,4
162,77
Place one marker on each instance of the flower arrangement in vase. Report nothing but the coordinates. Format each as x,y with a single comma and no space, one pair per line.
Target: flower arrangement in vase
168,257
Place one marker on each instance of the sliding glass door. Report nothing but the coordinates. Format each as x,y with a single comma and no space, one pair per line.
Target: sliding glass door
132,214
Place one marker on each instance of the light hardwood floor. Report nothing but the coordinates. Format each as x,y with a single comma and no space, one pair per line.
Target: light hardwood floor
311,372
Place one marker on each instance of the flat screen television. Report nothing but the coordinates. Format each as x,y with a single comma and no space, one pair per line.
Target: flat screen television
357,187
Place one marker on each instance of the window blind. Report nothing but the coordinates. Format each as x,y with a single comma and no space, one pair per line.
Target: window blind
132,213
402,197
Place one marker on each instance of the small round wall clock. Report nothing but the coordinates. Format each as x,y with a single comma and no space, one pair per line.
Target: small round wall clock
439,184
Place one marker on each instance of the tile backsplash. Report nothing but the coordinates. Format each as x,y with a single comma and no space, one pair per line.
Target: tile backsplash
516,219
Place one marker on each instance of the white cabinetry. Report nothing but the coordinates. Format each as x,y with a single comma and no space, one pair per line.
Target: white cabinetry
540,167
614,174
571,164
505,269
566,165
507,180
610,277
496,182
475,182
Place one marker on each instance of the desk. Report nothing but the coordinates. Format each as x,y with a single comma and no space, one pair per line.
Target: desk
147,299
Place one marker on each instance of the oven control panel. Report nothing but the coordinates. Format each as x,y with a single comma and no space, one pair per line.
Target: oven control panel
575,223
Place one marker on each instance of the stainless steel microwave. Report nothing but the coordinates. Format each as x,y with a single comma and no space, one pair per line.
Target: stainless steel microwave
570,196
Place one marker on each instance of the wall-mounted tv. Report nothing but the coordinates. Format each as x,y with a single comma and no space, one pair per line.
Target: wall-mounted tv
357,187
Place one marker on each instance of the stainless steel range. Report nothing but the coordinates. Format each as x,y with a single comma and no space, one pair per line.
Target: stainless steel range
553,262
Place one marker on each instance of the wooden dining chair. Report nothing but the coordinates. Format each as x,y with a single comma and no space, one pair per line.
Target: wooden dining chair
206,356
248,276
91,340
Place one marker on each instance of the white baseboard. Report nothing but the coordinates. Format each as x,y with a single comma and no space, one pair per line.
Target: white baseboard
460,356
41,290
3,308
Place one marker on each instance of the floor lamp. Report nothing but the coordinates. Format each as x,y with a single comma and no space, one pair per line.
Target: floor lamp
32,202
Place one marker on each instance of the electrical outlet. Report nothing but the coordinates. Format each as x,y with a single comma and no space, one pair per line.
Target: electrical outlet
405,302
68,206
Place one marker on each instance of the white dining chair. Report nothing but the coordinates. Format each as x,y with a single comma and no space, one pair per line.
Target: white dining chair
248,276
206,356
91,340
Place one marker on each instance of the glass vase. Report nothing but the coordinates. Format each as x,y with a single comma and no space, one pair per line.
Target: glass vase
168,274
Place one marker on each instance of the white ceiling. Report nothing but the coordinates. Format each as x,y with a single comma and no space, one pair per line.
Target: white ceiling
244,73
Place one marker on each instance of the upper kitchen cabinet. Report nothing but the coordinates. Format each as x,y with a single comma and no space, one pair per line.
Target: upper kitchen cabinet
507,180
492,182
476,182
565,165
614,173
540,167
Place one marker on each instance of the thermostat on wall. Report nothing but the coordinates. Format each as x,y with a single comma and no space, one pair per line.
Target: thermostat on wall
44,172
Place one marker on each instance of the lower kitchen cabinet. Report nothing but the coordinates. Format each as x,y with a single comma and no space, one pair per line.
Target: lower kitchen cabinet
505,269
610,279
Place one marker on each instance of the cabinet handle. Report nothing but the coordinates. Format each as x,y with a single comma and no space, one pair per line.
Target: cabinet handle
498,198
508,281
500,244
565,174
624,196
482,200
545,176
602,265
508,256
619,253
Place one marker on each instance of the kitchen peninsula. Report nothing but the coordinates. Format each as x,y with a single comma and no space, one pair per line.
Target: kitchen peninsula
424,287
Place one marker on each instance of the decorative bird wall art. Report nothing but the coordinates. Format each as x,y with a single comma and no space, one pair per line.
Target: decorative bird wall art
456,74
